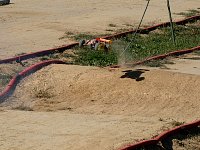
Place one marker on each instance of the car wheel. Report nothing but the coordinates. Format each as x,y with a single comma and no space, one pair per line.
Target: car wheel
96,47
81,43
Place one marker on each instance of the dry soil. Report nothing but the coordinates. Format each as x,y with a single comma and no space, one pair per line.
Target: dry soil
76,107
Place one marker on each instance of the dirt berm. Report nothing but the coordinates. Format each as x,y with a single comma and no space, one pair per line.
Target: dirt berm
118,91
102,108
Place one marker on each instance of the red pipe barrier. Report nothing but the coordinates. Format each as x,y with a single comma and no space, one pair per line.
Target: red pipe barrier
8,88
141,144
177,129
39,53
148,29
14,81
63,48
174,53
162,136
12,84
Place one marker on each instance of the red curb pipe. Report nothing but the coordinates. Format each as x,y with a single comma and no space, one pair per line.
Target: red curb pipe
148,29
12,84
15,80
8,88
141,144
162,136
63,48
39,53
177,129
162,56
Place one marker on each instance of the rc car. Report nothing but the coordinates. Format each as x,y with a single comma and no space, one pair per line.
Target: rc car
96,44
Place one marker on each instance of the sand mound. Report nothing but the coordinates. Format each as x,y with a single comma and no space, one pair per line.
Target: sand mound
95,90
96,108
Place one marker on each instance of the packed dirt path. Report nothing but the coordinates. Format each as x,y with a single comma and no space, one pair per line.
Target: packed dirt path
73,107
63,130
29,26
95,108
94,90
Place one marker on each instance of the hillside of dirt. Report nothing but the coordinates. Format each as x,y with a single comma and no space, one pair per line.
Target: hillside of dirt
91,108
132,104
95,90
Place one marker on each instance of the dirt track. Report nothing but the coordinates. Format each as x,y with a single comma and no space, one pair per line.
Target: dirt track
93,108
94,90
28,26
104,109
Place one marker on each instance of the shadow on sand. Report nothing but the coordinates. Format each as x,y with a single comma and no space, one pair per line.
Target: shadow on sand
134,74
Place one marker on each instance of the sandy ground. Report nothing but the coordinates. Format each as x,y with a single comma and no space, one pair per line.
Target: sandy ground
186,64
88,107
187,144
28,26
102,108
62,130
99,91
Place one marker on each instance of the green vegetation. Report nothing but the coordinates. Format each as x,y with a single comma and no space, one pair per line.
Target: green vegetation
19,54
112,25
44,58
128,25
49,57
81,36
77,37
84,36
197,53
156,43
67,34
175,123
90,57
187,139
5,78
23,108
142,46
7,72
42,93
158,63
189,13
